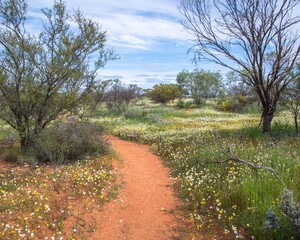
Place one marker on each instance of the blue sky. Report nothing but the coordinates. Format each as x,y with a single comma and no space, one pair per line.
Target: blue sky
146,34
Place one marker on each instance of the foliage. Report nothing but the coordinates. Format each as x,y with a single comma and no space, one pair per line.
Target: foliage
45,75
118,96
255,39
182,104
182,80
291,97
70,141
291,209
236,84
7,135
155,118
164,93
53,203
235,103
231,196
12,156
134,113
200,84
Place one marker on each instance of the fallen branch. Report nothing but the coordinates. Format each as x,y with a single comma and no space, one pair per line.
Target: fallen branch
230,156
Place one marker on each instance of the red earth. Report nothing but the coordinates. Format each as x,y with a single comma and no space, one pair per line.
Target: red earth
146,206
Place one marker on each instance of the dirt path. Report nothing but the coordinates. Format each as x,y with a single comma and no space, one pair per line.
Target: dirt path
144,208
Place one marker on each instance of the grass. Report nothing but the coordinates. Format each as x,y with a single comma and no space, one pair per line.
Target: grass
46,200
52,203
230,196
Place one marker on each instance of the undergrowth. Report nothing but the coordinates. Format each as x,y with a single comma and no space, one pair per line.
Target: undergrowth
42,203
230,196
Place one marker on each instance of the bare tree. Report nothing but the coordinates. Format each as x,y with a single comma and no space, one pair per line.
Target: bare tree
254,38
118,96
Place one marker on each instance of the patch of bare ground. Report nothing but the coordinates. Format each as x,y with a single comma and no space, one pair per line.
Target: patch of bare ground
146,207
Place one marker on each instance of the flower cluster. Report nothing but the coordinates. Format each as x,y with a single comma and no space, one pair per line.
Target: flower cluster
230,195
36,203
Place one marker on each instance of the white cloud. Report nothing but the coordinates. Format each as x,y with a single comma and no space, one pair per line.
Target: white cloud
131,7
129,41
145,79
142,31
143,26
130,24
146,34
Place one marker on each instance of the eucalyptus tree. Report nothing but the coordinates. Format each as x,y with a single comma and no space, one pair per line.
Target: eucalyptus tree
45,75
255,38
200,84
291,97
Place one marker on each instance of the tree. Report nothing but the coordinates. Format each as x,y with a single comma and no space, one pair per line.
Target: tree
118,95
291,96
242,36
45,75
164,93
182,80
236,84
200,84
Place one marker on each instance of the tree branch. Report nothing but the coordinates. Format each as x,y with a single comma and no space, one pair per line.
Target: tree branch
230,156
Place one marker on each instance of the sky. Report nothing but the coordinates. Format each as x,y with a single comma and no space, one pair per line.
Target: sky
146,34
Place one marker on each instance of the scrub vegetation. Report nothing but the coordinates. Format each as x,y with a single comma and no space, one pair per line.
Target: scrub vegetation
232,143
236,199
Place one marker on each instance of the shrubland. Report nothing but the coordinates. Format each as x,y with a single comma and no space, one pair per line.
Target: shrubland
54,190
231,197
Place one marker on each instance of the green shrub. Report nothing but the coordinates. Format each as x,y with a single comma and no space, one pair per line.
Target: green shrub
155,118
67,142
12,156
237,103
225,104
133,113
186,105
241,99
164,93
8,136
117,109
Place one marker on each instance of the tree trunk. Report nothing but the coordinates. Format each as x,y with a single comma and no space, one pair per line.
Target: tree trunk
267,117
296,123
26,142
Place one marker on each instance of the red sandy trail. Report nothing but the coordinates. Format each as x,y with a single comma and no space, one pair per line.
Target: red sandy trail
142,210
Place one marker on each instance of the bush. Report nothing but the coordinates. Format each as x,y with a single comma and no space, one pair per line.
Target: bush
237,103
8,136
291,212
133,113
164,93
186,105
67,142
225,104
117,109
155,118
117,97
12,157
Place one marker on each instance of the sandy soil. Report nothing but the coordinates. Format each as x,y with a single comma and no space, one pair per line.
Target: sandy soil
145,208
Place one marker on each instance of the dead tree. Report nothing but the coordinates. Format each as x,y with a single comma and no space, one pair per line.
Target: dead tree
253,38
